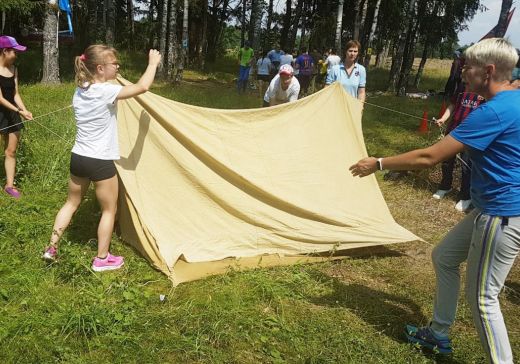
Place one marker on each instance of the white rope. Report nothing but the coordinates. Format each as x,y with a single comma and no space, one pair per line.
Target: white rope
42,125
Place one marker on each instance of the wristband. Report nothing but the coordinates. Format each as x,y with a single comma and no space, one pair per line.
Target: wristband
379,164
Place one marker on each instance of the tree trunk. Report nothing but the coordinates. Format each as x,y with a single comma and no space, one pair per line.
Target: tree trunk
382,56
363,18
268,39
92,8
357,19
371,34
339,25
171,53
502,19
284,35
183,59
130,11
294,29
397,60
420,70
303,42
243,25
162,37
51,68
110,22
255,23
202,51
152,33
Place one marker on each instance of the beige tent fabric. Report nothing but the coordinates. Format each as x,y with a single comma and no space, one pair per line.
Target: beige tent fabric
202,186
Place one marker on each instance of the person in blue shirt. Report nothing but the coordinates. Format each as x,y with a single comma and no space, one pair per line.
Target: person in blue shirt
488,238
275,55
351,75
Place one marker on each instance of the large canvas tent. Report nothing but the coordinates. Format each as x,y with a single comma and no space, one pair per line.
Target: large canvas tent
203,189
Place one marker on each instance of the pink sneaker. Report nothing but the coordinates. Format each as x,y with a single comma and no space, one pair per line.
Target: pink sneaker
13,192
50,253
111,262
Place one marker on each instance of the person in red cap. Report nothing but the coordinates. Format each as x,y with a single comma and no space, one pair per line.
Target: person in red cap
11,107
284,87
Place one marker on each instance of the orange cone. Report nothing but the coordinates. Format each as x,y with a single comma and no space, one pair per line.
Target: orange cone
443,109
423,126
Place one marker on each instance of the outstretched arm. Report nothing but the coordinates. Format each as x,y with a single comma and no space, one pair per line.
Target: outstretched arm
146,80
416,159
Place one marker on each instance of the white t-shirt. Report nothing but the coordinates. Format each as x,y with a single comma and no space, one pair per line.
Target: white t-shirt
275,91
286,59
333,60
95,111
263,66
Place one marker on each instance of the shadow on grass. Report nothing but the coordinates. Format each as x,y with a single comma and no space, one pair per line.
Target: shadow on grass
388,313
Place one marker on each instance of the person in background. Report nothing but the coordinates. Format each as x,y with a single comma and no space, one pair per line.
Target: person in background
462,104
286,58
263,72
515,76
305,64
11,108
455,79
245,59
350,74
275,55
488,238
332,59
284,87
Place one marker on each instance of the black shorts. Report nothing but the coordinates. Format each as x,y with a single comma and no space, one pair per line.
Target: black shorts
10,121
266,78
91,168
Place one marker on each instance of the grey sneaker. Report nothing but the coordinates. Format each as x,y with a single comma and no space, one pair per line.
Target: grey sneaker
440,194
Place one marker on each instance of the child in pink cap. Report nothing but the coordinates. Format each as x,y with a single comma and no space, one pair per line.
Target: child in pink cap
11,107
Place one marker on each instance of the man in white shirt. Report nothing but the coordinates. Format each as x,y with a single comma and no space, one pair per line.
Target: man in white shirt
284,87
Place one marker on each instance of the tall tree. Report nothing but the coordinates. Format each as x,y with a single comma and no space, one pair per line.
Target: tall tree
397,60
284,35
110,21
163,24
357,18
295,23
371,34
51,68
339,25
502,19
243,25
183,59
255,23
130,14
171,52
203,43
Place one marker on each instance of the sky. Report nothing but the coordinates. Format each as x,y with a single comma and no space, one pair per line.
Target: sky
485,21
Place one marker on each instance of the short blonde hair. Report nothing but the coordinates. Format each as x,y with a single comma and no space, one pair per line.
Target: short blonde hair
497,51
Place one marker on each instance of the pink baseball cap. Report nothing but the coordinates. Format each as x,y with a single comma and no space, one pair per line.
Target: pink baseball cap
9,42
286,69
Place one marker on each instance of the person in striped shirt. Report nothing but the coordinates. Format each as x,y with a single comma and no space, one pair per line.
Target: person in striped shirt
462,104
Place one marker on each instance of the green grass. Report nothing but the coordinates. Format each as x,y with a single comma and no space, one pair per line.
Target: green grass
347,311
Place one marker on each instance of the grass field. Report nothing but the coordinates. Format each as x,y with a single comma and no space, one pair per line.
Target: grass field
346,311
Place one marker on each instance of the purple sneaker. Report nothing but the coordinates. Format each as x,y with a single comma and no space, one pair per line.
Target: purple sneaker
111,262
13,192
50,253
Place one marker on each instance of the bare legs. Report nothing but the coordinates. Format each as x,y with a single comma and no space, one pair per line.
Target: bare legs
106,193
11,144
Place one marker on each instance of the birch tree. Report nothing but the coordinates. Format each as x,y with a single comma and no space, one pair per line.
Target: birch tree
339,25
51,69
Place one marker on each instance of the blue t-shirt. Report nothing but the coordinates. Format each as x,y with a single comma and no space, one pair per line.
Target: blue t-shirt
351,83
492,135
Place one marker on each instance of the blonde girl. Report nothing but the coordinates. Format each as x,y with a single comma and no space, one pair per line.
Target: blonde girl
96,145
